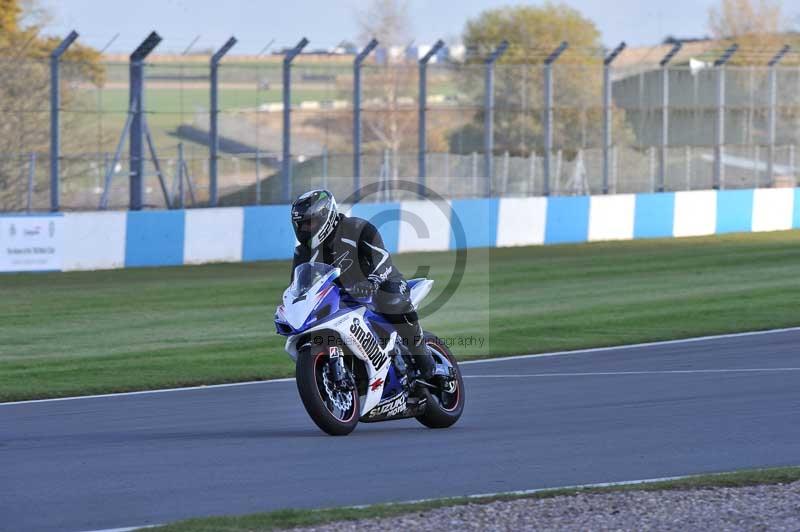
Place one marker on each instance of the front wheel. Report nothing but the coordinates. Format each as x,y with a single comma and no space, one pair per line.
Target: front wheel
335,410
446,403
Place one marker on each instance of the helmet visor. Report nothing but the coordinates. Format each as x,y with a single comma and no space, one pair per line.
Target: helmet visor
307,227
310,213
310,225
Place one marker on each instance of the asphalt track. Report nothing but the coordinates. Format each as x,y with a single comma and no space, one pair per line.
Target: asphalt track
598,416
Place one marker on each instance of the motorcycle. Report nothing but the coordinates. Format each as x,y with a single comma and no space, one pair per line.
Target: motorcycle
350,363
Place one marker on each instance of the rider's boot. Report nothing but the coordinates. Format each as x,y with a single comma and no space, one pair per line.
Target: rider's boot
424,362
411,333
422,356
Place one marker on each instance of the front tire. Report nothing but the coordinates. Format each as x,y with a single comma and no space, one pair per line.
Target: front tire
445,405
335,412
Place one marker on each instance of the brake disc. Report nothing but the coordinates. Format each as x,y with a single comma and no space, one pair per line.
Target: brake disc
341,400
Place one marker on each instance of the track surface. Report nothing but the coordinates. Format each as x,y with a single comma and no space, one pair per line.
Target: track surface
612,415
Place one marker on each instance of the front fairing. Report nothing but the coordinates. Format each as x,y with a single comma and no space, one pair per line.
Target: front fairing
310,299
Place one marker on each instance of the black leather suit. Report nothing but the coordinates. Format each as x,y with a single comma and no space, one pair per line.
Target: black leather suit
358,250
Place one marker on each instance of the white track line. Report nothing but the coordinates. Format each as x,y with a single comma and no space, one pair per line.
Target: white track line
494,494
147,392
596,485
124,529
613,373
482,361
633,346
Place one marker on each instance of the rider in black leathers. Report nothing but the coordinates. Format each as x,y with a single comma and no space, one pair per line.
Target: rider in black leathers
356,248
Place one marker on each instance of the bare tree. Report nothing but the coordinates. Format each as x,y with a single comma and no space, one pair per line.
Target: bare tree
737,18
387,20
388,87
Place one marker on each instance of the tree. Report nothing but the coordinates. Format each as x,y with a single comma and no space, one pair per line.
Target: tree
758,26
737,18
386,19
533,32
387,88
24,91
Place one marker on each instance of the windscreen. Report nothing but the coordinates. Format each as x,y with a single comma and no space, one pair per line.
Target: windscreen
307,275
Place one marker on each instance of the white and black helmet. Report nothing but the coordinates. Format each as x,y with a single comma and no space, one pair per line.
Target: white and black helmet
314,217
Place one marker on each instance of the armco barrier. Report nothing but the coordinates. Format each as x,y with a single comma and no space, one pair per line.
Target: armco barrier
94,241
155,238
267,224
567,220
521,221
611,217
796,222
104,240
654,215
734,211
479,219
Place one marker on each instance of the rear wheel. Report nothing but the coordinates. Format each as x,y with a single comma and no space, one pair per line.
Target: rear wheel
445,403
332,407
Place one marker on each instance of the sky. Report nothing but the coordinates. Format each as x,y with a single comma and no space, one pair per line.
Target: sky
327,22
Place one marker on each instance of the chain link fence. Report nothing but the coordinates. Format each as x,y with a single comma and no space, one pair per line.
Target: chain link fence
95,107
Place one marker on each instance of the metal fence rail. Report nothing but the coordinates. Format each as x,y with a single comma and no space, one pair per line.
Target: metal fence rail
218,130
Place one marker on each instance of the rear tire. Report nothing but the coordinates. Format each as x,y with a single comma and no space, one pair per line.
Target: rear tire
314,392
443,407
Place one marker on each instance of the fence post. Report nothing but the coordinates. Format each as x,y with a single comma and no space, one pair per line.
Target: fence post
213,116
772,102
756,162
559,160
31,176
719,141
488,110
532,175
360,57
286,160
55,105
614,168
607,111
136,97
475,173
548,113
105,168
506,160
662,158
258,175
422,151
688,162
325,167
180,175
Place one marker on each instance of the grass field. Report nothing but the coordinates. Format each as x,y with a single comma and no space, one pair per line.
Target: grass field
89,332
169,108
173,101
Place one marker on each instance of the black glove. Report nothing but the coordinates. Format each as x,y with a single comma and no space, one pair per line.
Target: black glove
364,289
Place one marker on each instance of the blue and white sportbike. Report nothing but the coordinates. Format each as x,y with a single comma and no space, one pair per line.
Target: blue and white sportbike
350,364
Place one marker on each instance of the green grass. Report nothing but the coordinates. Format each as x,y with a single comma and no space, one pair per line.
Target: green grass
283,519
170,108
93,332
173,101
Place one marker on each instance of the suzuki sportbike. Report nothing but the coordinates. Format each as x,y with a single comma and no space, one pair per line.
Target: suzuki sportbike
351,365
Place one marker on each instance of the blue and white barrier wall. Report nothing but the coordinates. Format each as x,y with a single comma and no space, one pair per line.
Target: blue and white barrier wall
105,240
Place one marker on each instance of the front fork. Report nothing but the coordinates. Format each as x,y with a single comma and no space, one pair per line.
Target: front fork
342,378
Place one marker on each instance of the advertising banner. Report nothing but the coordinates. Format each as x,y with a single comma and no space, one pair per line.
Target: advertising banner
30,243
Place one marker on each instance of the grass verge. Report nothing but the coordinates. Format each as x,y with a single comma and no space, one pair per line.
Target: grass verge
282,519
78,333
